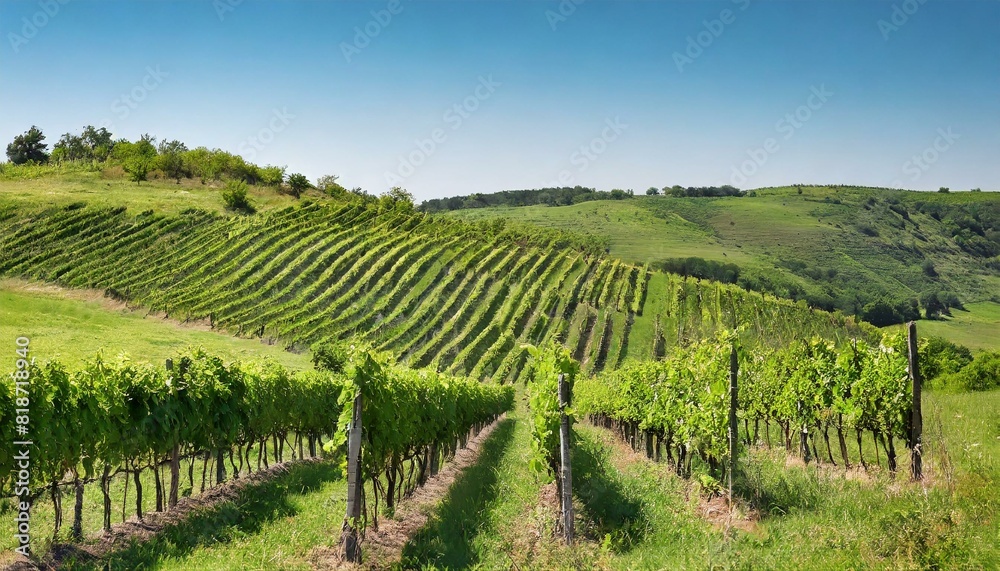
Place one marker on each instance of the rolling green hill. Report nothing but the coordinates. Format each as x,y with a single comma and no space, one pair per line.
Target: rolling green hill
433,290
836,247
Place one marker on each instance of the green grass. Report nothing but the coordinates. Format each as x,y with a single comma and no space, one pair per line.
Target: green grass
74,184
73,325
644,517
977,327
270,525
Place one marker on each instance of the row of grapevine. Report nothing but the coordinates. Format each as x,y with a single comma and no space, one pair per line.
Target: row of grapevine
430,289
121,417
680,405
411,419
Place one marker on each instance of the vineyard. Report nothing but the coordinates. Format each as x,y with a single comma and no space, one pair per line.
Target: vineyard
460,297
680,406
456,328
121,418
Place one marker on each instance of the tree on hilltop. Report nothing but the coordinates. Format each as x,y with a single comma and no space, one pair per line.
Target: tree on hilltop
28,147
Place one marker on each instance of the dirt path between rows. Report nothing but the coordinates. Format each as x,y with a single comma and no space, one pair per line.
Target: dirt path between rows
715,509
123,534
383,548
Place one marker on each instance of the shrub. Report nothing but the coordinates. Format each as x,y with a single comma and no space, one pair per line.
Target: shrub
940,357
235,196
982,374
929,270
330,356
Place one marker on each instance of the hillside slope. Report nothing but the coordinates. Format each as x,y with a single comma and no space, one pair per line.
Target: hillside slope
836,247
432,290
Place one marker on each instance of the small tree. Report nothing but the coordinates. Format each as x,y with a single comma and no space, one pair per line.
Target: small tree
235,196
272,175
931,303
69,148
171,159
944,189
99,141
298,183
328,184
137,167
929,269
397,198
652,191
28,147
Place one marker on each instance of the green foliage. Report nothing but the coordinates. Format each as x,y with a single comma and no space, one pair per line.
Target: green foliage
137,158
883,311
683,399
982,374
547,363
328,184
28,147
235,196
170,159
939,356
114,412
298,183
397,199
330,356
272,175
700,268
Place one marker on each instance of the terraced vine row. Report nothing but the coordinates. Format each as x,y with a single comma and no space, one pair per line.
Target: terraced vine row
462,296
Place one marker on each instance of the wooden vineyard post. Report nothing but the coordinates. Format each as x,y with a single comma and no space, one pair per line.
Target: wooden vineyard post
565,465
734,441
352,548
175,459
803,438
916,414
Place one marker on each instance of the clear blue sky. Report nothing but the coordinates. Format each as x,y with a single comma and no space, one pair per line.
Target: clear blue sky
600,93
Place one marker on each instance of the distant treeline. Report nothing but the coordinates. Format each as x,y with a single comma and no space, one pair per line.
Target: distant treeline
700,268
562,196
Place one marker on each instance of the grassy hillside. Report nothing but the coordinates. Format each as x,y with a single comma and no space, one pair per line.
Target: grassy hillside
435,291
63,184
72,326
977,327
837,247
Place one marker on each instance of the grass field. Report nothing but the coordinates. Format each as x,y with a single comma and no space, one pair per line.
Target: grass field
977,327
73,184
73,325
